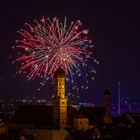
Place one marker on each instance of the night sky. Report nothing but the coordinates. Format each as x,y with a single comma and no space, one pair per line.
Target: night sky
113,27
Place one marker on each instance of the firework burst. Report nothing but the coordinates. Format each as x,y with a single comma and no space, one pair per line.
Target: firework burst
49,44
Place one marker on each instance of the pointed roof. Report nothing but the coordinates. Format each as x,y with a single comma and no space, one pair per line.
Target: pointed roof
95,114
38,115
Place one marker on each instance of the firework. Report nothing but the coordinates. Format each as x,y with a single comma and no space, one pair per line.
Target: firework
49,44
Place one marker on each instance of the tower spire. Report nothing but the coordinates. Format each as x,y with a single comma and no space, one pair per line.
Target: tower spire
119,102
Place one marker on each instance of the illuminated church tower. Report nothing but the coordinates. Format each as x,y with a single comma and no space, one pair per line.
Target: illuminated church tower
107,116
60,101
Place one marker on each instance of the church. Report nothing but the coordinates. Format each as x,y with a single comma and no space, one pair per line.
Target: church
52,121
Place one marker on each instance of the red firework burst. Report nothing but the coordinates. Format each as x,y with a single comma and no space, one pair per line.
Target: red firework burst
49,44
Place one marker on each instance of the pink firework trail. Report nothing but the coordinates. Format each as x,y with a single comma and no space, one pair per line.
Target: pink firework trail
49,44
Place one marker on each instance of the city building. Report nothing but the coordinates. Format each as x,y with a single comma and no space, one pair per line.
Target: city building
81,122
60,120
107,116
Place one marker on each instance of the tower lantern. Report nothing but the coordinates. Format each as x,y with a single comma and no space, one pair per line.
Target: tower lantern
60,100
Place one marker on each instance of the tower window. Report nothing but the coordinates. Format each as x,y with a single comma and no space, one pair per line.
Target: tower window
63,121
63,103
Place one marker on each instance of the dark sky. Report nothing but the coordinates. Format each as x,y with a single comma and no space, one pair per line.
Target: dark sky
113,26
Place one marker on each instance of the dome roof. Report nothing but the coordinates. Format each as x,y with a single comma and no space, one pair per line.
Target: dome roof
59,73
107,92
